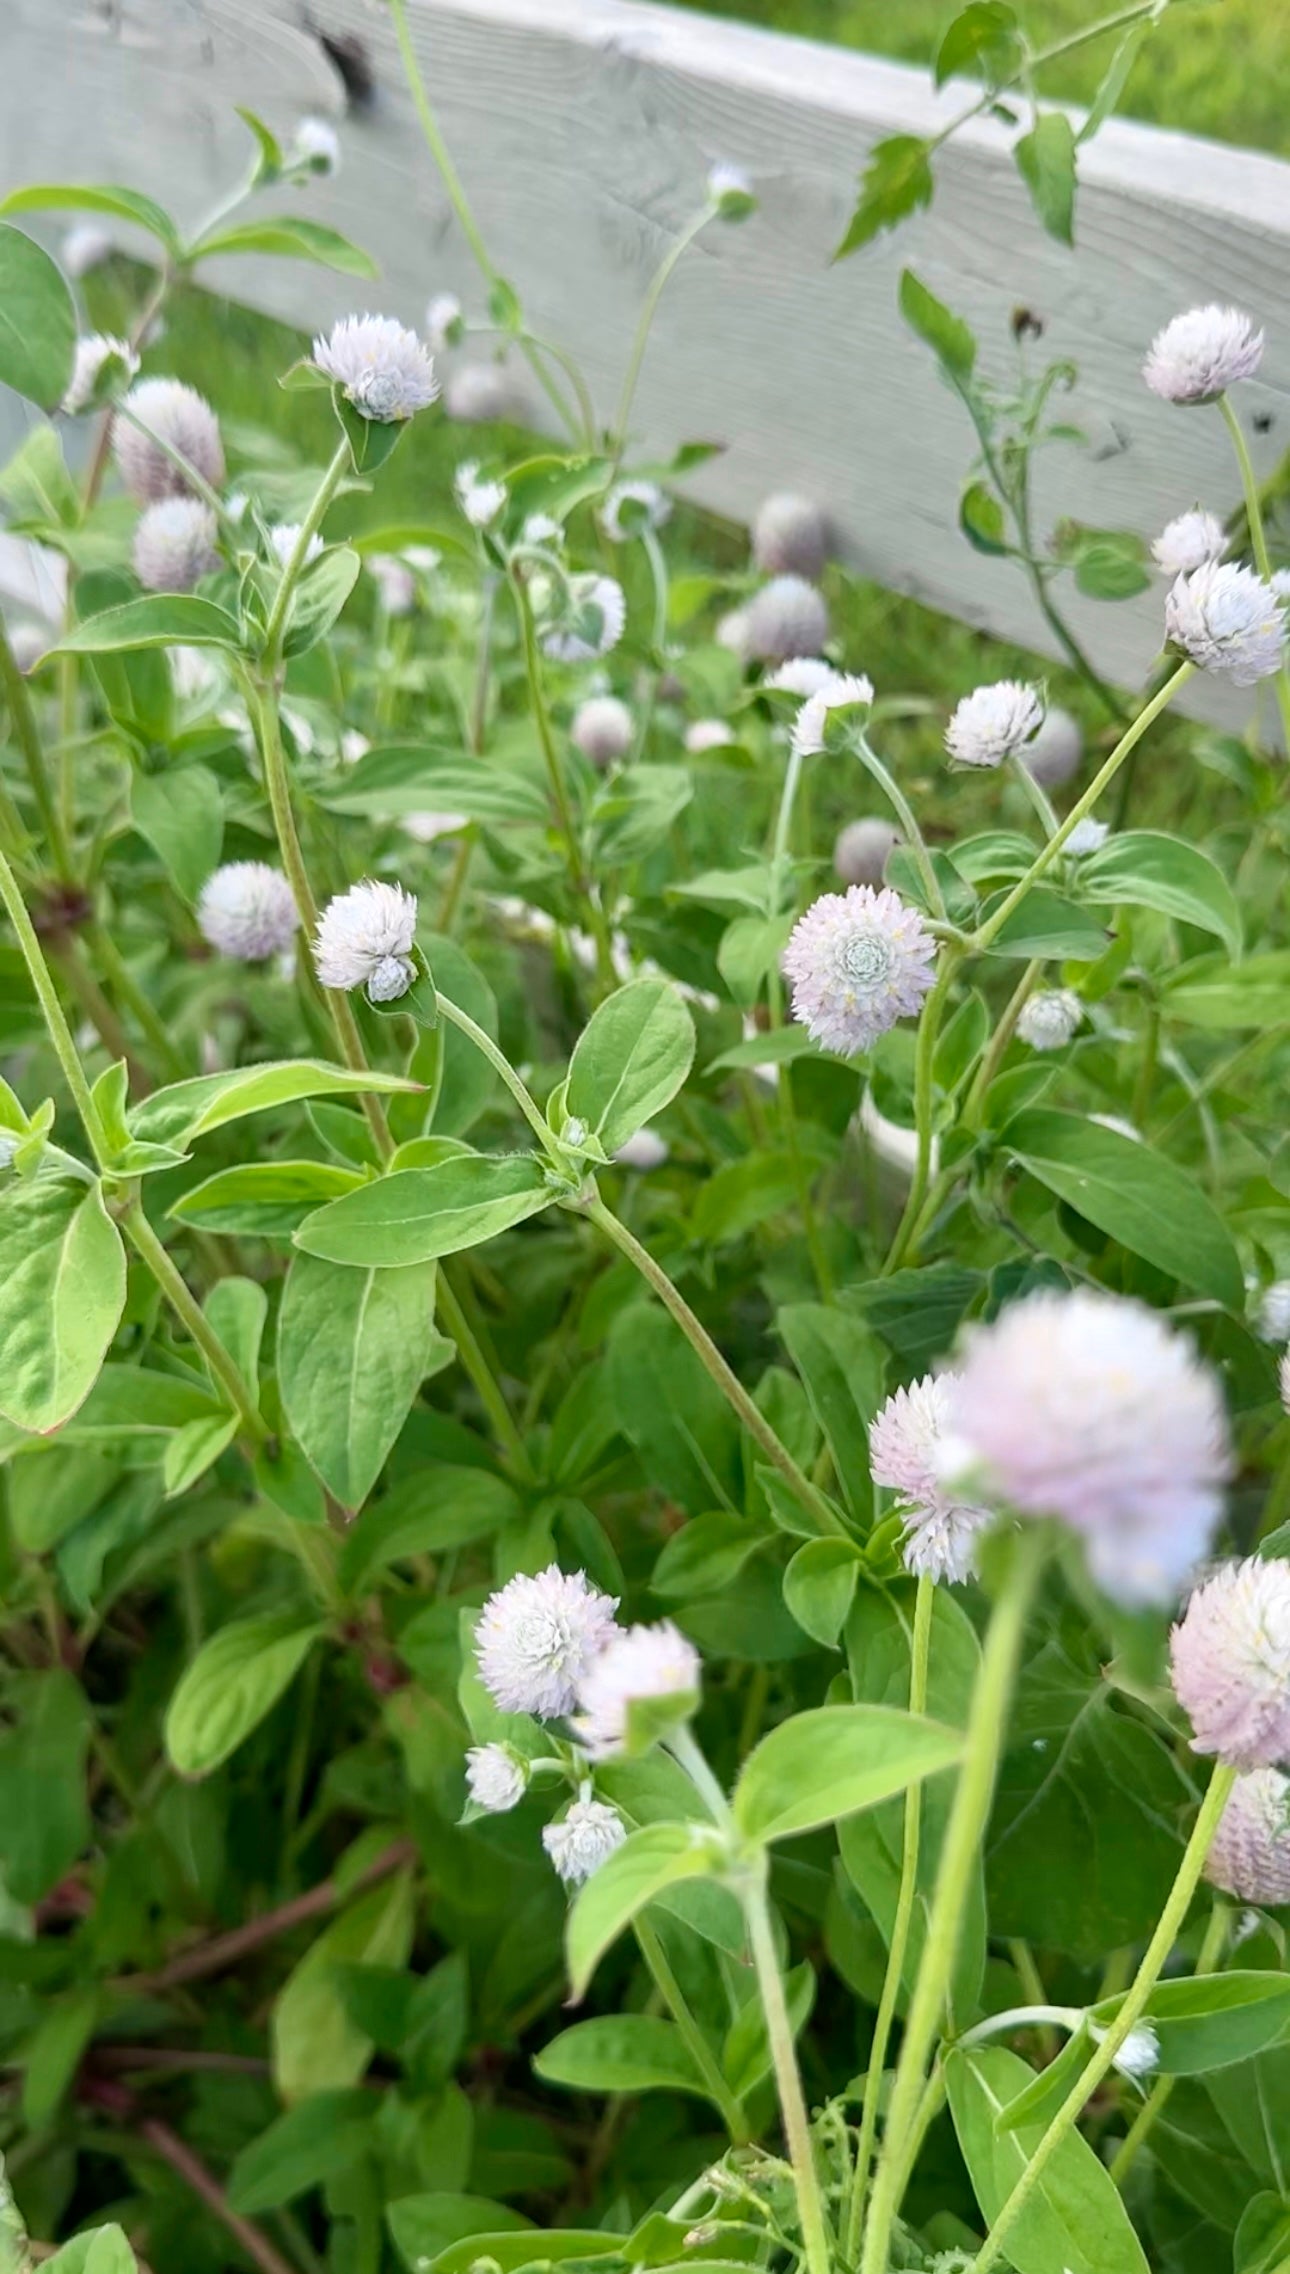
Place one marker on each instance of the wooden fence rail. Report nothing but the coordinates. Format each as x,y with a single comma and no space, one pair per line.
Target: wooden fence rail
583,130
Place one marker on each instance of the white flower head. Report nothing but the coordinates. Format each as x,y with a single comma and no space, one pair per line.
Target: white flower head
444,324
428,826
731,192
801,675
496,1778
179,416
282,541
316,147
1230,1662
646,1150
708,734
85,247
841,691
632,507
485,394
93,352
538,1636
583,1838
1201,354
1250,1853
1283,1381
542,529
904,1437
1090,1408
602,729
192,673
635,1664
1140,2053
994,723
1054,751
246,910
174,544
380,367
1187,542
787,617
481,501
1228,621
594,621
1050,1018
1273,1313
790,536
732,633
394,582
859,960
1088,836
28,641
364,939
862,850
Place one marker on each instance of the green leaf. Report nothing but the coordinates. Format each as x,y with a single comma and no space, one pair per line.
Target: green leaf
425,2227
417,776
418,1214
44,1812
1262,2244
982,36
1135,1195
263,1199
194,1449
1213,995
743,1193
630,1061
35,484
77,197
53,2055
1046,162
319,597
1151,870
981,519
671,1410
949,338
238,1674
820,1585
1110,564
650,1860
181,813
62,1291
353,1349
440,1508
316,2141
896,182
1075,2222
830,1762
1212,2021
185,1111
1045,925
290,238
705,1556
37,321
746,2055
100,2250
630,2052
164,619
842,1366
136,682
316,2046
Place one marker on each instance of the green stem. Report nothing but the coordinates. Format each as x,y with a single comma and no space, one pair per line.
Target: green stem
26,734
595,915
960,1851
920,1655
696,1334
792,2102
696,2043
990,930
502,1067
904,812
1258,539
1211,1950
644,325
1102,2059
489,1390
788,1112
60,1034
128,991
222,1368
996,1050
929,1028
297,557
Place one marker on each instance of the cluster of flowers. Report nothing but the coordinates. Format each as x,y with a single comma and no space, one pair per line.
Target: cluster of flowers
549,1646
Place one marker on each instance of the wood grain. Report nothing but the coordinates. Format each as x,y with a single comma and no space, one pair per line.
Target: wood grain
583,130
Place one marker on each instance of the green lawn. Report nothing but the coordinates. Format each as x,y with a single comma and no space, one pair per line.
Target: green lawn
1219,67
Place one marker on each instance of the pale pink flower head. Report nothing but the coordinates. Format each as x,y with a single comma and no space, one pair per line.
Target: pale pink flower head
584,1838
1228,621
708,734
787,617
1202,353
636,1663
1087,1407
365,938
1230,1660
790,536
904,1438
379,365
994,723
1249,1855
1054,751
1050,1019
247,910
1187,542
538,1637
842,691
92,354
496,1778
593,622
602,729
1283,1381
173,414
174,544
859,960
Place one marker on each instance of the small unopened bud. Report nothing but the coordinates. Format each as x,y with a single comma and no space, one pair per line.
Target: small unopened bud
861,852
731,192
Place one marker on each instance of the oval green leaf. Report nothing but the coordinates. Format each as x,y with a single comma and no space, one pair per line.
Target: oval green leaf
237,1675
655,1858
62,1291
833,1761
1135,1195
418,1214
37,321
353,1347
630,1061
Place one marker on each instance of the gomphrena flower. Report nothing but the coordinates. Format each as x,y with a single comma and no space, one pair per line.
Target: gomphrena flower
861,853
1230,1661
537,1638
731,191
994,723
1283,1381
1249,1855
1140,2053
364,939
542,529
316,147
646,1150
1202,353
903,1440
481,501
1087,1407
596,613
602,729
444,323
282,542
631,507
1227,620
174,544
731,633
1054,751
92,353
85,247
787,617
246,910
1050,1018
801,675
179,416
496,1778
28,641
485,394
636,1663
708,734
790,536
380,367
1273,1312
1088,836
859,960
583,1838
1187,542
841,690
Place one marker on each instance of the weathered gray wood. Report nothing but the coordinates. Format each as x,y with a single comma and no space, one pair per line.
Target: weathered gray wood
583,130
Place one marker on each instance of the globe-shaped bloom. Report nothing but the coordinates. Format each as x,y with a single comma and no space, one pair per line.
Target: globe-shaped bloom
91,355
592,622
174,414
859,960
496,1778
801,675
365,938
631,507
246,910
994,723
583,1838
790,536
904,1438
602,729
1050,1018
1249,1856
1230,1661
1202,353
1187,542
862,850
380,367
787,617
538,1637
174,544
841,691
1228,621
636,1663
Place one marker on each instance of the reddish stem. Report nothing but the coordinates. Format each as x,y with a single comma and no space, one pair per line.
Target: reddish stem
225,1950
